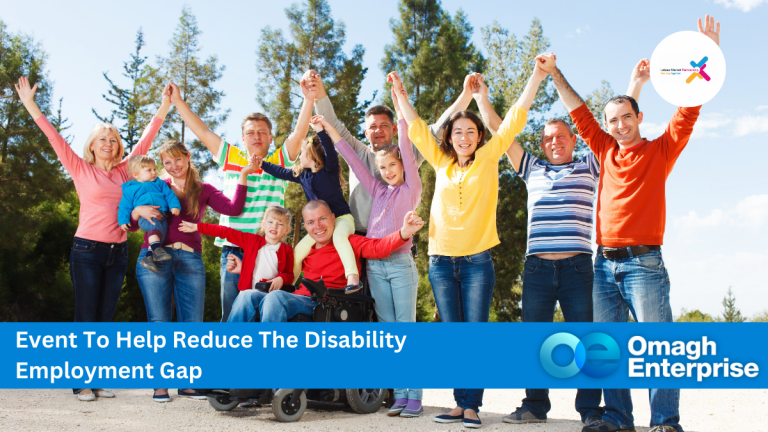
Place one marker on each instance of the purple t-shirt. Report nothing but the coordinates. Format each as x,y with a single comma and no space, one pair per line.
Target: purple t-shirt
210,196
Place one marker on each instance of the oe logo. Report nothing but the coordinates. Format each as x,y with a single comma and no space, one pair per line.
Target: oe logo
594,363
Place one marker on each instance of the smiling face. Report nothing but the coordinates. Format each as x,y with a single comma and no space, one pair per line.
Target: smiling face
275,227
176,166
623,124
145,174
464,137
558,143
257,137
105,146
379,130
391,169
319,223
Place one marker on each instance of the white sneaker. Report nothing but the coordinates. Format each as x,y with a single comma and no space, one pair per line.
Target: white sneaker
104,393
86,397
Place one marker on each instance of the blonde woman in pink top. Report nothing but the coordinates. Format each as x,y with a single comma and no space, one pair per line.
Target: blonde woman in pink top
99,256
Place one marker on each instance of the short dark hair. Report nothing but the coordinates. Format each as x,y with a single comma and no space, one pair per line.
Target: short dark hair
314,204
620,100
555,121
381,109
256,117
447,127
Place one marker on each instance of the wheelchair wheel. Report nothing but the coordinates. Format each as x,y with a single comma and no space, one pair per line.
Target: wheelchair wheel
366,401
222,406
282,408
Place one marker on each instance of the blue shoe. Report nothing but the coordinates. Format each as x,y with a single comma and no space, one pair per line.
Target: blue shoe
161,398
192,395
474,424
349,289
413,409
399,405
445,418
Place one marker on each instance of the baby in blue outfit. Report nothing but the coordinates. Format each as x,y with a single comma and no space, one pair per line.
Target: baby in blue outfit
147,189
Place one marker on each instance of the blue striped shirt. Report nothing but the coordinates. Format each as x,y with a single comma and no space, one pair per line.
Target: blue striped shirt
560,201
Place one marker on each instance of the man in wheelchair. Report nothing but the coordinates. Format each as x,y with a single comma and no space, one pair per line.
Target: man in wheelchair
324,266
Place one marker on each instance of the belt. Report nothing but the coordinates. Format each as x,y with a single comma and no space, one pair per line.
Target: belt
180,245
624,252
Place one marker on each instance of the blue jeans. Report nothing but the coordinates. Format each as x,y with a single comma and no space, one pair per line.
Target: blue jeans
97,271
639,285
463,287
569,282
280,306
181,278
229,281
160,228
246,306
394,283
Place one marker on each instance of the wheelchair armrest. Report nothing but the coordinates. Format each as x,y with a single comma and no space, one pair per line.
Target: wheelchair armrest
339,293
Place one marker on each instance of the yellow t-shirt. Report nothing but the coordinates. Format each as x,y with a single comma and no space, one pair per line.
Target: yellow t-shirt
462,220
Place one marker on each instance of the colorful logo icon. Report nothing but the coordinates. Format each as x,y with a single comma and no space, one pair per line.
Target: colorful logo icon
700,74
596,355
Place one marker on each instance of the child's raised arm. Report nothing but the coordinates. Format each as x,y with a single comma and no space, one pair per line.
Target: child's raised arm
320,124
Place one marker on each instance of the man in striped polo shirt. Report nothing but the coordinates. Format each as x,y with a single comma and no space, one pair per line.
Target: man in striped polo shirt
263,189
558,263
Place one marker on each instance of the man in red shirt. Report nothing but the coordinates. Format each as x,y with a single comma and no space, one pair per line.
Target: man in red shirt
631,213
323,261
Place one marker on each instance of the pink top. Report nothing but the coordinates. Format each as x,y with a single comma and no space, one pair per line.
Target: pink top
99,191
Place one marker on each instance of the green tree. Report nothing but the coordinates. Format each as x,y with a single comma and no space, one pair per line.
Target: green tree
760,317
730,312
694,316
196,79
130,103
432,52
315,42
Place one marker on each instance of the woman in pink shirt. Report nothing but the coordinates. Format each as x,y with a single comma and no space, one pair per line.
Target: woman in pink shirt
99,256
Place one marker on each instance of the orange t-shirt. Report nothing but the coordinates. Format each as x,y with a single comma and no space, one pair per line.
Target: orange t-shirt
631,203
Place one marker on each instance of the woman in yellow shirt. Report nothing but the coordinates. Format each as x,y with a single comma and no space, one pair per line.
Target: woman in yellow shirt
462,220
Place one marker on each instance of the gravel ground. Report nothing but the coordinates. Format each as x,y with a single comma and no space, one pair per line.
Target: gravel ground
133,410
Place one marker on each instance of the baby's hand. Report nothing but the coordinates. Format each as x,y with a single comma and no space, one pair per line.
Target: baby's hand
125,227
187,227
175,211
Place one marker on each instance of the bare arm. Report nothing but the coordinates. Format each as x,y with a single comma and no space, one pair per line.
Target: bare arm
463,101
194,123
640,75
27,96
567,94
409,114
480,93
293,142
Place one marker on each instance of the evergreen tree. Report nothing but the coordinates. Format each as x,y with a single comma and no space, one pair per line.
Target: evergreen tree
130,103
316,42
730,312
195,78
694,316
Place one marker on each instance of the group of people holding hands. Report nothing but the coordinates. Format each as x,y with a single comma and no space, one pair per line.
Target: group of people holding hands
627,172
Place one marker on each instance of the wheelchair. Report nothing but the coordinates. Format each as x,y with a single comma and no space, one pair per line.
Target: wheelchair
289,405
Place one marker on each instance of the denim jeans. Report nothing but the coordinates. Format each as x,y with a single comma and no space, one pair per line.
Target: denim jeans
281,306
394,283
463,287
160,228
639,285
97,271
246,306
569,282
181,278
229,281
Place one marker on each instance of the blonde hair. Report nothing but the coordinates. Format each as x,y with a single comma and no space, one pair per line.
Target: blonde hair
137,162
193,186
316,152
277,212
95,133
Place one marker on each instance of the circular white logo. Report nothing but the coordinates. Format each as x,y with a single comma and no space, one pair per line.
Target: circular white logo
687,69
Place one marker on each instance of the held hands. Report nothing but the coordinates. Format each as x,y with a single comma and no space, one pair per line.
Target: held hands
254,164
319,123
167,91
314,82
309,91
187,227
26,94
546,61
411,224
642,71
175,93
125,227
709,29
470,83
479,89
538,73
397,85
277,283
234,264
175,211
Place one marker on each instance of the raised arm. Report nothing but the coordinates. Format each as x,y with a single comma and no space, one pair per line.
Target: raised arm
27,96
641,73
293,142
365,177
480,94
410,163
383,247
150,132
194,123
221,204
418,131
279,172
515,151
567,94
461,104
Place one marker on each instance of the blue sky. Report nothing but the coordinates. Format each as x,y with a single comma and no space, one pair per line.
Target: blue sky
717,200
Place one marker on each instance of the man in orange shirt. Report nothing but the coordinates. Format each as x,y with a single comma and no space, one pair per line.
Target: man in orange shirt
631,213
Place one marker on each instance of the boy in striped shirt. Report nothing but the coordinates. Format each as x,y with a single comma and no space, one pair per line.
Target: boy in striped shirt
264,190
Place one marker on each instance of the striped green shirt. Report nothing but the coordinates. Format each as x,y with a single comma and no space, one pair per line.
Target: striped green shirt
263,189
